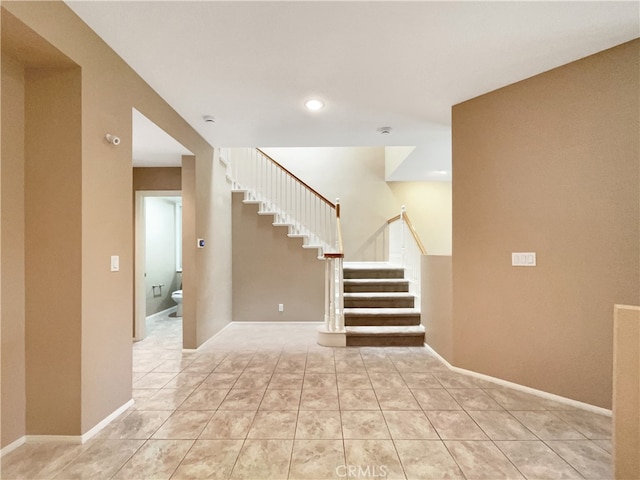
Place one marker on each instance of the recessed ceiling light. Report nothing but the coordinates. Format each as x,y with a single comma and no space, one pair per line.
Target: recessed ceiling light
314,104
440,172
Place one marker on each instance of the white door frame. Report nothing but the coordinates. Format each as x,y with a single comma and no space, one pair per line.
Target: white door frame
140,301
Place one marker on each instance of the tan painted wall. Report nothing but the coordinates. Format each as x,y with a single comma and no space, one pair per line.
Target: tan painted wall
189,275
435,304
102,300
12,259
270,268
157,178
357,176
53,250
548,165
626,392
213,223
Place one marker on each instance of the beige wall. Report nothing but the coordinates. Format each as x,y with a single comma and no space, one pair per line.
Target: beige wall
189,275
53,249
95,312
157,178
626,392
215,261
270,268
357,176
435,308
12,259
548,165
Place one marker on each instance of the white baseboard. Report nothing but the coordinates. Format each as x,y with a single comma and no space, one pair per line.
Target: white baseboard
162,313
106,421
75,439
522,388
12,446
208,340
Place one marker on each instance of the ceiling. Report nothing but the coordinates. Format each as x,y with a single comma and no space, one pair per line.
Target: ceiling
375,64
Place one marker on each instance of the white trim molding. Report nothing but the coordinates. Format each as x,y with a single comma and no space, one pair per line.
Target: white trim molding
12,446
72,439
106,421
523,388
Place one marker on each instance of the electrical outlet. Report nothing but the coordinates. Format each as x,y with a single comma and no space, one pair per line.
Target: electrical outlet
281,307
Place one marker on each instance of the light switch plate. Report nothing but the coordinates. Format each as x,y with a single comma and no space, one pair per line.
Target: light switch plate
523,259
115,263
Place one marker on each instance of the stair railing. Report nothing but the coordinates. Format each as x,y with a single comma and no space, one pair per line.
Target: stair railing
406,249
334,282
283,194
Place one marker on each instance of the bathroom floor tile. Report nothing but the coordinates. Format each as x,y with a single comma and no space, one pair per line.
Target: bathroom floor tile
482,460
228,424
281,400
455,425
547,426
101,460
241,399
379,456
272,424
318,425
501,425
319,399
585,456
351,381
420,380
474,399
589,424
155,459
248,382
185,425
263,459
358,400
316,459
409,425
427,459
220,381
204,399
435,399
396,399
364,424
209,459
137,425
536,460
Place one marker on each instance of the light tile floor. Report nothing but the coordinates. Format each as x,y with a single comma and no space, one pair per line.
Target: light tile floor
264,401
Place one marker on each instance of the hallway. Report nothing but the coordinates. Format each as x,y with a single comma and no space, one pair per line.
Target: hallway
264,401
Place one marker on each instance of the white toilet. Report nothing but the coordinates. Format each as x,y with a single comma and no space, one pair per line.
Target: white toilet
177,297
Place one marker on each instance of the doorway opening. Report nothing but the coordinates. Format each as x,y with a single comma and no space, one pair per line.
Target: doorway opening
158,269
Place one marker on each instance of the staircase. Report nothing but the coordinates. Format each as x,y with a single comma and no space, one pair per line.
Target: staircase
379,310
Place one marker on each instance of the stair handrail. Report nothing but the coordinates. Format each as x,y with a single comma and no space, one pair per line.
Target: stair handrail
297,179
408,254
405,217
334,282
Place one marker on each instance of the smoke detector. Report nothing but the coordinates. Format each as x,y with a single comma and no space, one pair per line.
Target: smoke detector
384,130
209,119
